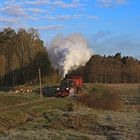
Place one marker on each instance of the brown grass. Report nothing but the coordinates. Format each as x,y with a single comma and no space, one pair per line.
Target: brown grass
105,101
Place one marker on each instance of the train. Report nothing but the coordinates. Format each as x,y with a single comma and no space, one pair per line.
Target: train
69,86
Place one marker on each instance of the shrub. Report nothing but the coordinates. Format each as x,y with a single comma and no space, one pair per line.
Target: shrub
70,107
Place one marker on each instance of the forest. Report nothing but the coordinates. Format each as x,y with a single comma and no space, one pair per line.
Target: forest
22,53
111,69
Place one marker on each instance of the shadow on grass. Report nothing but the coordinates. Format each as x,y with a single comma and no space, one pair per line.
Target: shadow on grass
6,89
48,91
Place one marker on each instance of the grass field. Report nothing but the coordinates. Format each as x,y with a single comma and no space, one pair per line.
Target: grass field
29,117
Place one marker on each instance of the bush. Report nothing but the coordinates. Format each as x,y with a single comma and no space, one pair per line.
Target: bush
107,101
70,107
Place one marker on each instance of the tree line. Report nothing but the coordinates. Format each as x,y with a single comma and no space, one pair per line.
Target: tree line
110,69
22,53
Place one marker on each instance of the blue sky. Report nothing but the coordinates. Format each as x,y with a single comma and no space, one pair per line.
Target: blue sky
110,26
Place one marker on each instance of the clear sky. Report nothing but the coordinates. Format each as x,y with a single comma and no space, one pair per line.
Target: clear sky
110,26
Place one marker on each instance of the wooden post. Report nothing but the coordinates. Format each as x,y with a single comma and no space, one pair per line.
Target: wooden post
124,74
57,76
40,83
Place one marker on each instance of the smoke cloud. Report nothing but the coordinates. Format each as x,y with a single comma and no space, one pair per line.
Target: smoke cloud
68,53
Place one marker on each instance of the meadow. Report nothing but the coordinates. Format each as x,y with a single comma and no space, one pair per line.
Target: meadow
100,112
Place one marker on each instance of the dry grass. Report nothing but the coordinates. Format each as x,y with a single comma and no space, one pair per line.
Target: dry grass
102,96
17,109
65,118
108,101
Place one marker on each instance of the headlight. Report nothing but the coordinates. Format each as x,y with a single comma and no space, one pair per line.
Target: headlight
57,88
67,88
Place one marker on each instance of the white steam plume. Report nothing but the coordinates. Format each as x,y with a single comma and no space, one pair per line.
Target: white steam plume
68,53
